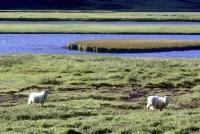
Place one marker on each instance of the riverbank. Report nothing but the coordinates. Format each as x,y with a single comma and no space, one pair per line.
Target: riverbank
132,46
97,71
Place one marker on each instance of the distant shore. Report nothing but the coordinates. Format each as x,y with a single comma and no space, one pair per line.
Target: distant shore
101,22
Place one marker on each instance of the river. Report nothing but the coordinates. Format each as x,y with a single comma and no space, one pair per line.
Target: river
174,23
56,43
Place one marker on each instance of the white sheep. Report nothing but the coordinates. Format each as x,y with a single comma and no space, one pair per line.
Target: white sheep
155,102
40,97
20,16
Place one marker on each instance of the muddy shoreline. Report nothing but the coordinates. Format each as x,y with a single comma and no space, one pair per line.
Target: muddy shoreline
114,50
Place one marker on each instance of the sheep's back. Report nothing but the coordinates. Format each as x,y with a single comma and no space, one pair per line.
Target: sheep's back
36,97
159,103
152,99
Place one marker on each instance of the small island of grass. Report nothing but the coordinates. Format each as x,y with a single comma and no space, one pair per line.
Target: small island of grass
132,45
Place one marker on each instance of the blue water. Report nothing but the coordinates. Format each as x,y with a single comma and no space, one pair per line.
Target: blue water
56,43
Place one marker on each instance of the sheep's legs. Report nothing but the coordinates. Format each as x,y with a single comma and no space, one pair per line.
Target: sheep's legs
152,108
29,102
148,107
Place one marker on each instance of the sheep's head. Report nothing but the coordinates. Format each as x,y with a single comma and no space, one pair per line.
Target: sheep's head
166,99
47,91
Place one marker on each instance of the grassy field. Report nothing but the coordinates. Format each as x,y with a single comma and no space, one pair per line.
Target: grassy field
103,29
98,16
95,94
95,15
117,46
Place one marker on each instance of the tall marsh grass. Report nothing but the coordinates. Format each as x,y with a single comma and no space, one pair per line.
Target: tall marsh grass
117,46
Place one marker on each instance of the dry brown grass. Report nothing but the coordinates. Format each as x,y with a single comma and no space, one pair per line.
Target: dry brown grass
132,45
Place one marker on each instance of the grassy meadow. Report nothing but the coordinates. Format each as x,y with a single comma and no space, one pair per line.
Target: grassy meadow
96,94
78,15
95,15
134,45
98,29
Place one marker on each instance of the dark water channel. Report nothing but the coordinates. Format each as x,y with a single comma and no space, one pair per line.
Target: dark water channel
174,23
55,44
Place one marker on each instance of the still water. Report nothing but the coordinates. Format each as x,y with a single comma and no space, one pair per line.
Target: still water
56,44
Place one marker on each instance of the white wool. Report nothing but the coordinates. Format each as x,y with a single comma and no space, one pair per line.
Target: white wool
40,97
155,102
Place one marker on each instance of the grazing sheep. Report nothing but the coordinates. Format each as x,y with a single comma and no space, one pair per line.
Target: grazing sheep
20,16
155,102
38,97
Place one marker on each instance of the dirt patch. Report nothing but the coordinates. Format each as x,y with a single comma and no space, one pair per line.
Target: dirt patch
181,98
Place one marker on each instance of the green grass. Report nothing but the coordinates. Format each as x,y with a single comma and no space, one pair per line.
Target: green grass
128,45
94,15
91,94
105,29
75,71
